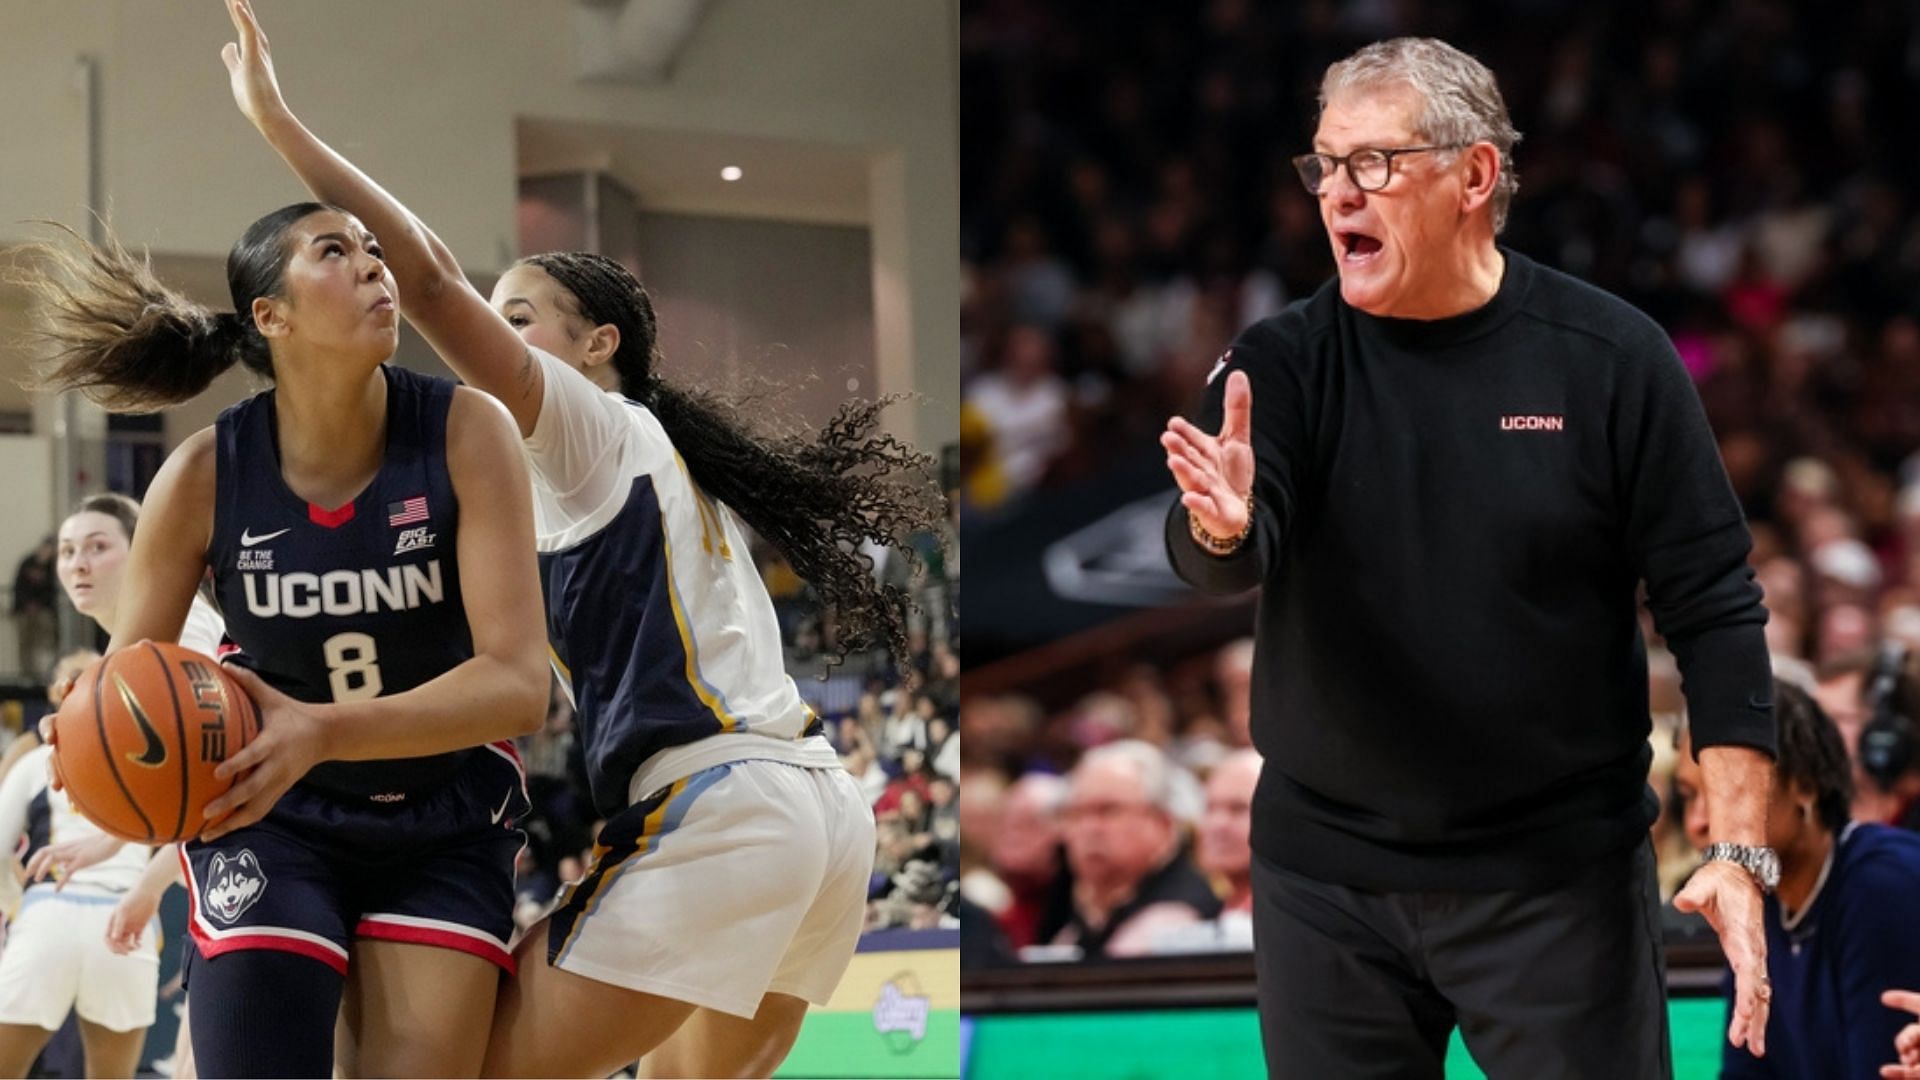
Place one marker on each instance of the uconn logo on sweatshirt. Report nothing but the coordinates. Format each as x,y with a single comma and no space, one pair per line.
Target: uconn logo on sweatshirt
1532,422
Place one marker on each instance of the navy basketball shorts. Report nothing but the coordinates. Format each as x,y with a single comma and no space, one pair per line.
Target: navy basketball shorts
320,870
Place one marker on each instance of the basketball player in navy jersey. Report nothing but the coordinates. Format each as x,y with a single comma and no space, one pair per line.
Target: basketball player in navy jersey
370,828
729,883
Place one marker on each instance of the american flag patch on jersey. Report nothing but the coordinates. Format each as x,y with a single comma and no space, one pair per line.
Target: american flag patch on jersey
407,511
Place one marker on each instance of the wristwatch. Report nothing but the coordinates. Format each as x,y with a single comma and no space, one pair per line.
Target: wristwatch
1761,862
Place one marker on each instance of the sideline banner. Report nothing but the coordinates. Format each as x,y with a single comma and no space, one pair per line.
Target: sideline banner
895,1014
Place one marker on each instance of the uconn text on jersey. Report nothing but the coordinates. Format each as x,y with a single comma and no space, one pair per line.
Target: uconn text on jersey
344,592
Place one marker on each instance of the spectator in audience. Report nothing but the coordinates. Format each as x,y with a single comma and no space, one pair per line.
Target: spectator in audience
943,747
1124,849
999,731
906,728
66,669
1102,717
1844,628
535,887
1901,624
1839,926
545,752
1025,853
981,806
1840,688
33,611
1852,689
1024,405
912,780
943,818
981,943
1233,671
857,753
916,817
1222,851
1675,856
871,714
910,885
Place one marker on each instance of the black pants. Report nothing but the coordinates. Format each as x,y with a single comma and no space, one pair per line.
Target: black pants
1566,982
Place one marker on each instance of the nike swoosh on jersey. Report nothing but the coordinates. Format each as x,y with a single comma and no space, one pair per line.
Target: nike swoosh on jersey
248,539
156,751
502,812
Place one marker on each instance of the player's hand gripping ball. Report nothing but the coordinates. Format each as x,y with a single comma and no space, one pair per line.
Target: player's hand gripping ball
137,739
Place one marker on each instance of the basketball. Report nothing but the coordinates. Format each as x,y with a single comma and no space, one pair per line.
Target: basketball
138,737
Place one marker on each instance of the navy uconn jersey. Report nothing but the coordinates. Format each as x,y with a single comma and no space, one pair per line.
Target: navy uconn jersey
357,602
660,626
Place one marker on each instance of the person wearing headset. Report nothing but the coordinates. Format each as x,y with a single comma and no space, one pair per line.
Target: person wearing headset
1873,697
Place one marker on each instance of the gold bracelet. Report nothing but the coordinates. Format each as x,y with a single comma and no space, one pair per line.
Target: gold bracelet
1221,545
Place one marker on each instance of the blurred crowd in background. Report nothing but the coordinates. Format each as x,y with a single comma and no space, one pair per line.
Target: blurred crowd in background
1738,169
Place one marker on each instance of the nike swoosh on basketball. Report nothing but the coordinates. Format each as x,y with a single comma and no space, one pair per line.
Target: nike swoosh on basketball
156,751
247,539
502,812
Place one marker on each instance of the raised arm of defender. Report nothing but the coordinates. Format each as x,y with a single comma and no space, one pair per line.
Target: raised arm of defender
435,295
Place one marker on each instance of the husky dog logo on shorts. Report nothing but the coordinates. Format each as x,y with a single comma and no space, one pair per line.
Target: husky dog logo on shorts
233,885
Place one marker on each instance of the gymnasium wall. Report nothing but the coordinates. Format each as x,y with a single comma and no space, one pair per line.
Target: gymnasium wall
720,288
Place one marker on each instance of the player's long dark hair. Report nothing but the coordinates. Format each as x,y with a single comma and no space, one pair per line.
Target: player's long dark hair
112,331
814,499
1813,754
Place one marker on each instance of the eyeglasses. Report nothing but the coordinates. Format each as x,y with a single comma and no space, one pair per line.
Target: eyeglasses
1074,813
1367,167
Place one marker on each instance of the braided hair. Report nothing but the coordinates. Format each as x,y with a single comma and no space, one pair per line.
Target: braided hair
815,499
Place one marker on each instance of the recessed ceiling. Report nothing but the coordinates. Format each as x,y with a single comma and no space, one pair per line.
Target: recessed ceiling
673,171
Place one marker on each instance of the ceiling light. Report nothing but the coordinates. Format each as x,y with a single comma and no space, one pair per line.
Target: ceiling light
730,173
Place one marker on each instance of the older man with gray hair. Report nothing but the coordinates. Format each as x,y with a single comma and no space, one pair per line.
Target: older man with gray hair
1124,849
1457,468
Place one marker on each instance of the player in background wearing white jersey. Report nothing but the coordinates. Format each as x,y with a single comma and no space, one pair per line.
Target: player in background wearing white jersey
94,543
58,956
729,882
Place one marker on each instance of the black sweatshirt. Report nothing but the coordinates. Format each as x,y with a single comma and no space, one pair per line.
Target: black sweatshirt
1451,519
